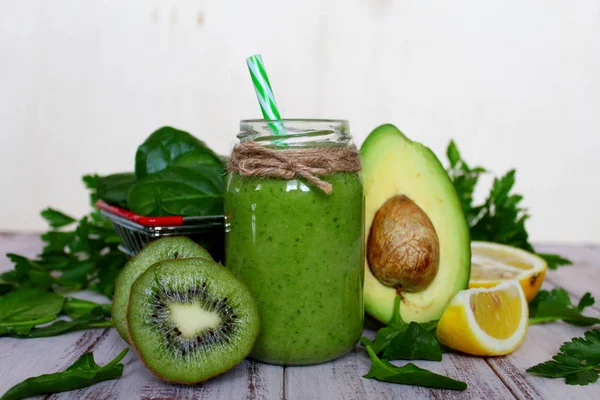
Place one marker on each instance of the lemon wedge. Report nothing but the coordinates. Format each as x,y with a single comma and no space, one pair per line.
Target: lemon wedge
485,322
493,263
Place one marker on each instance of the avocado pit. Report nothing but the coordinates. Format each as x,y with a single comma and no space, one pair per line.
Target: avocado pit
403,249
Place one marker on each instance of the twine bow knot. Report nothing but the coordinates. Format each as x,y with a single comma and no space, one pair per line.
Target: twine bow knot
252,159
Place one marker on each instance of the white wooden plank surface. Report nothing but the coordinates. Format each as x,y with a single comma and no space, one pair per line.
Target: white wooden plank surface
248,380
491,378
342,379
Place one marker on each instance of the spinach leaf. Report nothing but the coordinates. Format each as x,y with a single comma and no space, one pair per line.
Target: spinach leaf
113,188
21,310
415,342
84,372
179,191
399,340
57,219
24,309
170,147
409,374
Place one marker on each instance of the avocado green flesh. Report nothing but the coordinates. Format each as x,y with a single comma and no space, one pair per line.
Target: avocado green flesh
161,249
394,165
204,357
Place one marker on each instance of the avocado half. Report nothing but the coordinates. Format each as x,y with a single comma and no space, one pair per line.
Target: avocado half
397,172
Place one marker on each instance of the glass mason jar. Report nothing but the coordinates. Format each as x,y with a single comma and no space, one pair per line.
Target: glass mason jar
298,249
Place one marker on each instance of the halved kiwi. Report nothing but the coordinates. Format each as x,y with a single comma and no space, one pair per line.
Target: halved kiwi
162,249
190,320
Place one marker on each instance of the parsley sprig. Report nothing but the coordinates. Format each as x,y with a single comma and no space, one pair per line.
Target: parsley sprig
578,361
77,255
500,218
555,305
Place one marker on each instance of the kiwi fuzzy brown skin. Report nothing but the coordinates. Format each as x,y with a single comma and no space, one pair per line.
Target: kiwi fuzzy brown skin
203,354
403,248
171,247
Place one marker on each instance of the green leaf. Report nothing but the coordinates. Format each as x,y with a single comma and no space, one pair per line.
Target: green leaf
59,327
170,147
586,301
453,154
30,273
554,260
57,219
578,361
77,276
409,374
399,340
76,308
8,281
84,372
587,348
414,343
555,305
57,241
178,191
23,309
500,218
113,188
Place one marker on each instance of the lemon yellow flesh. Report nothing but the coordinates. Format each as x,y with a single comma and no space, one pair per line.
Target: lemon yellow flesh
497,313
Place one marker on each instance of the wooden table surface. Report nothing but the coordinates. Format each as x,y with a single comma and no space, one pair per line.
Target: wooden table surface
491,378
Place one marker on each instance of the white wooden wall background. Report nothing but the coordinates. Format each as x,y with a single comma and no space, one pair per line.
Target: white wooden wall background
515,82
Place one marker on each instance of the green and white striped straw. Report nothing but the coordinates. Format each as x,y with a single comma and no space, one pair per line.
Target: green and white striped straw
264,93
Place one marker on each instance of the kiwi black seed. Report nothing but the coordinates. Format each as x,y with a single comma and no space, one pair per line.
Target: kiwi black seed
173,247
191,319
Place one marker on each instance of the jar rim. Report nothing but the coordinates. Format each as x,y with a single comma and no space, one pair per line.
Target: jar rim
296,132
256,120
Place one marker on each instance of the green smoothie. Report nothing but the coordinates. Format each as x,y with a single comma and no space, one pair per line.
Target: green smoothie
300,252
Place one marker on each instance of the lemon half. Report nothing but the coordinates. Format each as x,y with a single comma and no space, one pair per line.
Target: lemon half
493,263
485,322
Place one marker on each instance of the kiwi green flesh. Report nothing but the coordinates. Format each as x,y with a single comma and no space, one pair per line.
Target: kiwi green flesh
192,319
165,248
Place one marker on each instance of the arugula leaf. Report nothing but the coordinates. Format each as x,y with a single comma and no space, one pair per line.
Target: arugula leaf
170,147
84,372
409,374
578,361
401,341
555,305
56,219
500,218
179,191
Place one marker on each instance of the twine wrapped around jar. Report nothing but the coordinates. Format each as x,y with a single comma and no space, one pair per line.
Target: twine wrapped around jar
252,159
